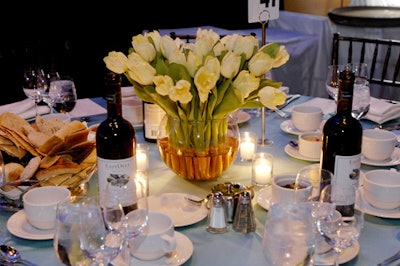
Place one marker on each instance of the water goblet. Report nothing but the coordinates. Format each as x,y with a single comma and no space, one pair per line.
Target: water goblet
99,242
34,84
63,96
348,230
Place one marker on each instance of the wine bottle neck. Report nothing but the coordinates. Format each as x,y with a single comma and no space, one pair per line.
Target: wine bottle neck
345,95
113,96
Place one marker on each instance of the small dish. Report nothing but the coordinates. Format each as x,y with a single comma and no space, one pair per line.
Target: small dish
242,117
288,127
295,154
392,161
346,255
264,197
371,210
183,251
19,226
181,211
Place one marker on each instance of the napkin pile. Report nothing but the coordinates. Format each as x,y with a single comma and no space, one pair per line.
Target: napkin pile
24,109
380,110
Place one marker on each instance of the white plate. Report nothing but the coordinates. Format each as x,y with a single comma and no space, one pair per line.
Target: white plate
288,127
242,116
19,226
181,211
264,197
347,255
392,161
369,209
295,153
183,251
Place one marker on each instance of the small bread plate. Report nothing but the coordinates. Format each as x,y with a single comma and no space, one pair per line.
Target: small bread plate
392,161
19,226
295,154
175,205
264,197
183,252
346,255
371,210
288,127
242,116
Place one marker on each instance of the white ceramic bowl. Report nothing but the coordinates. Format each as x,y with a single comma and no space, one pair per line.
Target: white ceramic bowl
310,144
281,191
378,144
382,188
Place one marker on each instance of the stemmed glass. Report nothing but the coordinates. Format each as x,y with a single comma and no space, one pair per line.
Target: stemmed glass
63,96
125,209
100,243
347,231
361,94
34,85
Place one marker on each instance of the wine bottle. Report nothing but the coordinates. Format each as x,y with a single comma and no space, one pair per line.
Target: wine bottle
115,140
152,116
341,148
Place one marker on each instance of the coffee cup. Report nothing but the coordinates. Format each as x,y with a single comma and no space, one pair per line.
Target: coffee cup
307,118
132,110
378,144
158,239
40,204
283,189
310,144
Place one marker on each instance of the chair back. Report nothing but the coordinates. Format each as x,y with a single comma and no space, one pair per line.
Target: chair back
381,55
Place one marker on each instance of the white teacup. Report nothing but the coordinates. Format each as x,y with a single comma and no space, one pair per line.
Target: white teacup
40,205
378,144
310,144
282,191
307,118
132,110
381,188
158,239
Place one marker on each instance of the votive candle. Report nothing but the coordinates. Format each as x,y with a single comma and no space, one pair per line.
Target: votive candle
262,169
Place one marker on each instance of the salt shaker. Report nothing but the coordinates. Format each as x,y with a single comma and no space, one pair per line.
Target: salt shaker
244,220
217,217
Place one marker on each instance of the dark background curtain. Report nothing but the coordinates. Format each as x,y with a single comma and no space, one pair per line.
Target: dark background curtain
73,38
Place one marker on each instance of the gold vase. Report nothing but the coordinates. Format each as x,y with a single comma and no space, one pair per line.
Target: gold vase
198,150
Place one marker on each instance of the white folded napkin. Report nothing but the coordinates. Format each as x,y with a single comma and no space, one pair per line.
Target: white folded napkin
24,109
382,111
328,106
127,91
86,107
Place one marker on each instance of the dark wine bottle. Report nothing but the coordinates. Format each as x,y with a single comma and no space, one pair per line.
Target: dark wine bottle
152,116
341,148
115,140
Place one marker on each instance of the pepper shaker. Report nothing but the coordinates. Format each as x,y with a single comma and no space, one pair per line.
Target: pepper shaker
217,217
244,220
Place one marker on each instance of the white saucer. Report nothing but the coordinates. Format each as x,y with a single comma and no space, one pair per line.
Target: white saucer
288,127
347,255
181,211
369,209
295,153
183,251
242,116
19,226
392,161
264,197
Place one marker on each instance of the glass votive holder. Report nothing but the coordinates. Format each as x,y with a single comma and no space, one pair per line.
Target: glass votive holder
142,157
262,167
248,145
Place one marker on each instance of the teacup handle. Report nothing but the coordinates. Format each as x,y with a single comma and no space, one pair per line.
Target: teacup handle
168,243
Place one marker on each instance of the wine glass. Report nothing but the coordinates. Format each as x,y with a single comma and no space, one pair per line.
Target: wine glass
361,93
34,84
125,211
99,242
50,76
347,231
63,96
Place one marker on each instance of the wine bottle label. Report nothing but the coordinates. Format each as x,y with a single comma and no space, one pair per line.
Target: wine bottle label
346,175
153,115
111,170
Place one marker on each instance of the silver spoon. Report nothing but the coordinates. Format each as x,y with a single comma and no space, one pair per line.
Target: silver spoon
10,254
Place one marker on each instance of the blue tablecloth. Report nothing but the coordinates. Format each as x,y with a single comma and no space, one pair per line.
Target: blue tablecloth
379,239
